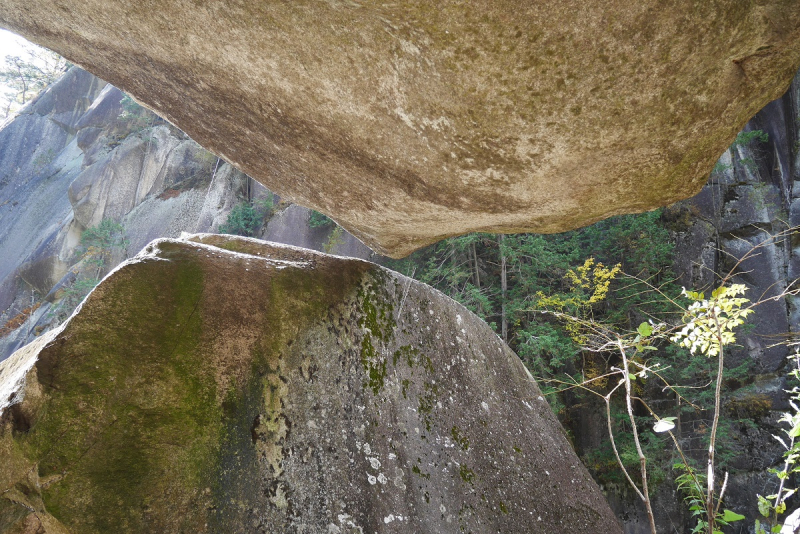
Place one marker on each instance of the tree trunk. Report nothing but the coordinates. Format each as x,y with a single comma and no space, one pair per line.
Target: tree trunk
477,273
503,290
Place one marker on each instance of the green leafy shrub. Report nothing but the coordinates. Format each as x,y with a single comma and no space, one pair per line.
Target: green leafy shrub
246,218
205,159
773,506
242,220
130,108
265,206
97,247
137,117
744,138
335,239
98,243
319,220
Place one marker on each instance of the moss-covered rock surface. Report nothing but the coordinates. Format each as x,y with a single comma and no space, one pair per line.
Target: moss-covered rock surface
221,384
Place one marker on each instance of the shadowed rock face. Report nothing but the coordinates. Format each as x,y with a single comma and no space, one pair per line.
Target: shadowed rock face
223,384
411,121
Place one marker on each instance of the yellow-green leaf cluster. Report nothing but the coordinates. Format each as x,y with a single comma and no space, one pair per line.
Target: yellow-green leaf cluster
589,286
593,278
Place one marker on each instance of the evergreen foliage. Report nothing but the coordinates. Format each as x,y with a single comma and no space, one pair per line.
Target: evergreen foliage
246,218
138,118
773,506
334,240
744,138
242,220
97,247
319,220
99,241
468,269
549,272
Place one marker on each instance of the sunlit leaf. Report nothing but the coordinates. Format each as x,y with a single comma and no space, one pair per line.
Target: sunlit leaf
731,516
664,425
764,506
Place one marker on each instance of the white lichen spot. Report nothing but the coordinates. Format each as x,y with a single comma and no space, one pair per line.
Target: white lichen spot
372,480
367,449
485,406
398,479
442,508
392,456
279,499
374,463
382,478
345,519
458,319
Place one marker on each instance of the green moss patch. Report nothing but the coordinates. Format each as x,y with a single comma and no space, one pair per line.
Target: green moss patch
131,411
148,423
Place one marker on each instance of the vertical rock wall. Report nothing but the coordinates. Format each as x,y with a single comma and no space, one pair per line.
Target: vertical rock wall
752,195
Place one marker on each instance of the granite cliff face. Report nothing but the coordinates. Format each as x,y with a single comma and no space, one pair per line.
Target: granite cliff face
753,194
82,153
222,384
411,121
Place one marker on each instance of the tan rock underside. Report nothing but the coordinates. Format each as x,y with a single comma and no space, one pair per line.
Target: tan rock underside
411,121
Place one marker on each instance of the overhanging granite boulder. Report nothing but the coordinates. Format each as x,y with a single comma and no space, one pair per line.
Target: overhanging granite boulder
221,384
411,121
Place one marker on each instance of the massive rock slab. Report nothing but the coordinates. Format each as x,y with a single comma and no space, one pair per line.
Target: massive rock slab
223,384
411,121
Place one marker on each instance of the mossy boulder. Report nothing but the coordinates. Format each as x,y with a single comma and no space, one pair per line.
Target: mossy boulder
222,384
411,121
